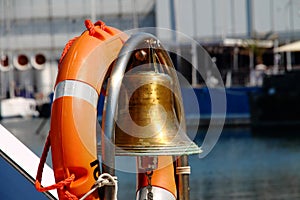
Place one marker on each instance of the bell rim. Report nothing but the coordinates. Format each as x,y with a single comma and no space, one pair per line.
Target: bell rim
156,150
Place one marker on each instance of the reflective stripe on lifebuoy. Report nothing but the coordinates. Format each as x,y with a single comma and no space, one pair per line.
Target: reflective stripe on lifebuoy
76,89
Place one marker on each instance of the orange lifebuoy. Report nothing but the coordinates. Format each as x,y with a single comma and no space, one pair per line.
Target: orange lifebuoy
162,181
73,119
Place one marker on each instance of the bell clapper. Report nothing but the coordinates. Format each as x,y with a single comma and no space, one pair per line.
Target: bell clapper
147,164
149,187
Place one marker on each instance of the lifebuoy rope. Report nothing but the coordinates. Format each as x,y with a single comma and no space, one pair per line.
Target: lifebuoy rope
60,185
90,27
103,179
66,49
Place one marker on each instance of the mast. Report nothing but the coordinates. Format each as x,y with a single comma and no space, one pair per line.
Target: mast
7,15
249,17
194,47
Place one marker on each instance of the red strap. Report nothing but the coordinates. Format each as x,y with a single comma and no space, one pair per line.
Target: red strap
60,185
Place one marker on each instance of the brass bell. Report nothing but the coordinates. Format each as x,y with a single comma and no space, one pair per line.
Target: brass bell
147,121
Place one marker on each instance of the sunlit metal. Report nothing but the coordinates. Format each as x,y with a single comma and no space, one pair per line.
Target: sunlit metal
154,105
150,124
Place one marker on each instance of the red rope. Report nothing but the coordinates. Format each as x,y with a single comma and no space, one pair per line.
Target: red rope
66,49
60,185
101,24
90,27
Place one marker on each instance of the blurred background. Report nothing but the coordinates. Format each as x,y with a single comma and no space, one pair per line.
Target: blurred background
234,32
253,43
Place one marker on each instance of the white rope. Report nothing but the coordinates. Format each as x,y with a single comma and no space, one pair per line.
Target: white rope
103,179
183,170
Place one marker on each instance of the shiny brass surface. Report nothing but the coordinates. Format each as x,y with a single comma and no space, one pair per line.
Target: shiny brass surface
147,122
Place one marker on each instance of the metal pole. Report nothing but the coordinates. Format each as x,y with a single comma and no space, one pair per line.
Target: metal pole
194,64
276,58
183,172
93,11
251,58
235,58
194,48
8,33
288,30
250,23
213,15
232,17
135,15
272,15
